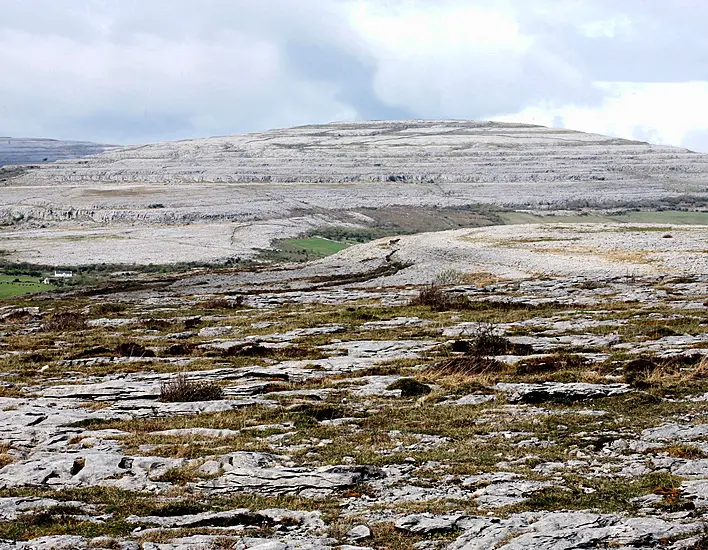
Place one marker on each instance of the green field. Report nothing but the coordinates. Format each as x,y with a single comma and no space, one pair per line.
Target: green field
316,246
14,285
302,250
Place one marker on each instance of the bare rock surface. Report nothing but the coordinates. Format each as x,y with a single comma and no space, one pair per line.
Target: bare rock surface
565,410
227,197
558,391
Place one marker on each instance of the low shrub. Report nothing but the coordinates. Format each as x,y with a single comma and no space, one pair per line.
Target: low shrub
434,297
466,365
65,320
222,303
131,349
410,387
108,307
181,390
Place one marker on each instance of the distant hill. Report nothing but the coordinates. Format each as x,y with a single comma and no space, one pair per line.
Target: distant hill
37,151
221,198
427,152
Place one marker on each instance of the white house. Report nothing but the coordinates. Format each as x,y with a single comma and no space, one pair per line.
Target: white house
63,274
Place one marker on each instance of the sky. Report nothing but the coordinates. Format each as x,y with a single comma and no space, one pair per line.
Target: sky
138,71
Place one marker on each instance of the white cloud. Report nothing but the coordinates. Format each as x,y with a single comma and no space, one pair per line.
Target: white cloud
456,60
664,113
127,70
608,28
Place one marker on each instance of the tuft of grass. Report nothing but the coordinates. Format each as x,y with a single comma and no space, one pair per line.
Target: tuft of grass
410,387
434,297
106,308
221,303
131,349
180,389
64,321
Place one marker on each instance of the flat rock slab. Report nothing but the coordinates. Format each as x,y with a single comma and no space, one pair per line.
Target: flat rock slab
566,531
280,481
230,518
676,432
558,391
88,468
383,349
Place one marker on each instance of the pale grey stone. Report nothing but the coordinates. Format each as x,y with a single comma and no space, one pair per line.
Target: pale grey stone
559,391
423,524
278,481
359,533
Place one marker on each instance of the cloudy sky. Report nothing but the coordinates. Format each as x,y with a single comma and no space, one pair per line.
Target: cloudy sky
133,71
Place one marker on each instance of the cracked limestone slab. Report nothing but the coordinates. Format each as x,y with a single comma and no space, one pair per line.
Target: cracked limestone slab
559,391
280,481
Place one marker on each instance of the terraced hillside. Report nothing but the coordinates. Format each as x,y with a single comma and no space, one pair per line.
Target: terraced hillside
228,197
403,151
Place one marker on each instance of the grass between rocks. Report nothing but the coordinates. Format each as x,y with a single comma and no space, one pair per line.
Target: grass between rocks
319,419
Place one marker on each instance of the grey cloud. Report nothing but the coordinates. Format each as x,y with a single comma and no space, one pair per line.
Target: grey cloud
696,140
132,71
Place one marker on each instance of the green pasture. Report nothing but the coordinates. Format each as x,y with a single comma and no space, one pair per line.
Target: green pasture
15,285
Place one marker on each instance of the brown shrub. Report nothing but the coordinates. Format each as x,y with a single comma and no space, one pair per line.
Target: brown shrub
434,297
551,363
467,365
222,303
131,349
64,320
180,390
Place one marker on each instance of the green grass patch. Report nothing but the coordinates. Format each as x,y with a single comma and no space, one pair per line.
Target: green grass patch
16,285
303,250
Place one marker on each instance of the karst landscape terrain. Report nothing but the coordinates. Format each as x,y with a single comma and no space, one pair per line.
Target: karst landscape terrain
403,335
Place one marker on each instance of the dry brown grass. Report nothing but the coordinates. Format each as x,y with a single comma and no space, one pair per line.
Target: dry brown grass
5,457
434,297
181,389
221,303
678,374
64,321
